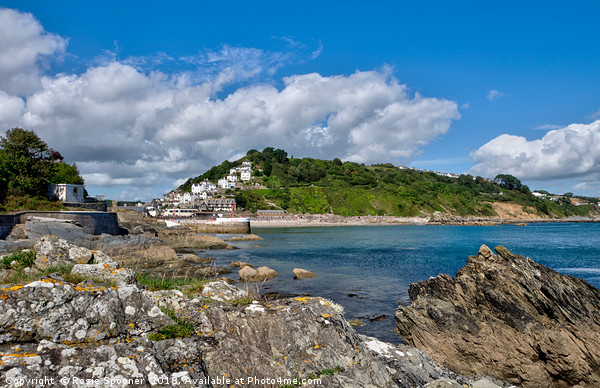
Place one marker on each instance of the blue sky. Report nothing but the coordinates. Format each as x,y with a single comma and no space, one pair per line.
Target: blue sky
142,95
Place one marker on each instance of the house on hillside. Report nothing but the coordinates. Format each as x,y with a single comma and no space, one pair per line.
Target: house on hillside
67,192
246,176
205,185
187,197
226,184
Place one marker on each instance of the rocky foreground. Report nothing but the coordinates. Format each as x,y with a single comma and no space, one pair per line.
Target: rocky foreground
508,317
104,329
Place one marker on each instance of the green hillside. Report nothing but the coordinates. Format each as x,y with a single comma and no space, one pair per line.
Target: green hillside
351,189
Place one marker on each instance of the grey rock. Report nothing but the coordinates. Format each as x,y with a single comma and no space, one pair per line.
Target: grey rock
105,272
412,367
443,383
52,309
221,291
65,230
14,246
260,274
17,233
484,383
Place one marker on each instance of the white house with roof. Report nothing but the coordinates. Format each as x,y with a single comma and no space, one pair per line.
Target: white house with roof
246,176
205,185
226,184
66,192
187,197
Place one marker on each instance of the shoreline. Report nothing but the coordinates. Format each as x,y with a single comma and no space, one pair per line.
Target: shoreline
334,220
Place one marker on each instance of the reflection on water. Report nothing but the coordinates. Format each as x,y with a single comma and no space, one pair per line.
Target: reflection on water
368,269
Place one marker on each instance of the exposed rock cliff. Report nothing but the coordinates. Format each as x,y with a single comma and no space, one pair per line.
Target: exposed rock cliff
508,317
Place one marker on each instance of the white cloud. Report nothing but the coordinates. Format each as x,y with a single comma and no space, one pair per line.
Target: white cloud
546,127
24,47
595,115
572,152
11,110
494,94
129,128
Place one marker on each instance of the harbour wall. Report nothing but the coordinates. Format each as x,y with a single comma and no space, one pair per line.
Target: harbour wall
92,222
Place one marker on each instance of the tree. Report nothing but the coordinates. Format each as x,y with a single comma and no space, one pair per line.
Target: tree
267,168
508,182
25,162
66,173
27,165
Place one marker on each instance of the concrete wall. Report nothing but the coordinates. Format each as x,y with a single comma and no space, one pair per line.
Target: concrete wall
92,222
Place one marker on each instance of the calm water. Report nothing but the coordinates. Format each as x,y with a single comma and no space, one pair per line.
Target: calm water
368,269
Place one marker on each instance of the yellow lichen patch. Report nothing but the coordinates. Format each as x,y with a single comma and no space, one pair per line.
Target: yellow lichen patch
302,299
5,357
327,315
14,287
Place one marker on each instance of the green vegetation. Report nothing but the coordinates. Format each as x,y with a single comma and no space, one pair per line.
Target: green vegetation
351,189
21,260
180,329
27,202
17,274
189,286
27,166
328,372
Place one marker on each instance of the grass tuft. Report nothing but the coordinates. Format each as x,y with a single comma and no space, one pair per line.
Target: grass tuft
22,260
180,329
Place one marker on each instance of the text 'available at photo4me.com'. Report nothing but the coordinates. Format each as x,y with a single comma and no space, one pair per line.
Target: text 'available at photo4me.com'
174,380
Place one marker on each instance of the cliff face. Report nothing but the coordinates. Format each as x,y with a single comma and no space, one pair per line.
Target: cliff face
508,317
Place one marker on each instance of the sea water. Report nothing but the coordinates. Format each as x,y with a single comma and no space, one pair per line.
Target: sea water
368,269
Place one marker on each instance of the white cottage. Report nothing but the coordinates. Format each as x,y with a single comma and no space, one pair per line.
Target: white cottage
67,192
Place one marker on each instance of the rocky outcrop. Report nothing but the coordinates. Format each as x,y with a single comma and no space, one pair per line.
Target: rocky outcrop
71,333
194,259
221,291
247,237
136,223
184,238
300,273
508,317
248,274
52,309
240,264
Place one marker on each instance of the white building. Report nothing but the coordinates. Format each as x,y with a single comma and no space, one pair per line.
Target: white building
225,184
187,197
66,192
232,177
246,176
205,185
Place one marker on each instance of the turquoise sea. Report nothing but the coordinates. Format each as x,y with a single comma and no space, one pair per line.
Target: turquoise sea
368,269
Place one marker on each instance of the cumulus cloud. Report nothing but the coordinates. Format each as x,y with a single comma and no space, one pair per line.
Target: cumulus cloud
494,94
572,152
128,126
24,48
